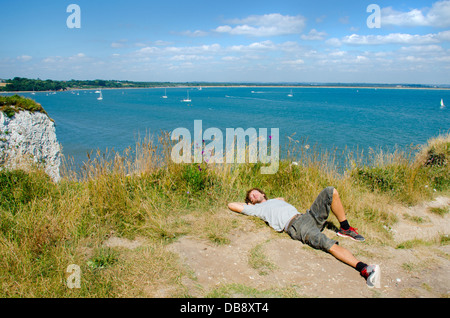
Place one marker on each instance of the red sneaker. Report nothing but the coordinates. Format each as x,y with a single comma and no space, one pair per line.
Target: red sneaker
372,274
351,233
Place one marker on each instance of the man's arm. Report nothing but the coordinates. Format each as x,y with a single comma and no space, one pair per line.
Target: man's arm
236,206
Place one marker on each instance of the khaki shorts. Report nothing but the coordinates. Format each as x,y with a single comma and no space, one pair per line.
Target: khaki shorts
308,227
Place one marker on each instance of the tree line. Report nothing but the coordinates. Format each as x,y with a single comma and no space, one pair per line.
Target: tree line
25,84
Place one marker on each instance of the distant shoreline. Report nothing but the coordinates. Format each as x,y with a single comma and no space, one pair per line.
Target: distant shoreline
26,85
237,86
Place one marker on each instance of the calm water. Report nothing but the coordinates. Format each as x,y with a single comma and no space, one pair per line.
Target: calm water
328,117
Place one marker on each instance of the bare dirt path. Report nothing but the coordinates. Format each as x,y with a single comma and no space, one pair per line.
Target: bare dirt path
420,271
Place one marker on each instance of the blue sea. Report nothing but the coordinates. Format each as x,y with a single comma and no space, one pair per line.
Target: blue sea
328,118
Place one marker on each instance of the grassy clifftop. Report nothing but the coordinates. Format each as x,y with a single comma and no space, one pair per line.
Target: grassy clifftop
11,105
44,227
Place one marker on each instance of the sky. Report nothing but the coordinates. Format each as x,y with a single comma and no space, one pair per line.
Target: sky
321,41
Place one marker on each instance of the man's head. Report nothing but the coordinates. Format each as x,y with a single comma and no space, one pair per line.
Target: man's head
255,196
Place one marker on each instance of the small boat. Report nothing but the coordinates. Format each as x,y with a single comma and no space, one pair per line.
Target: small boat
290,94
187,100
165,93
442,103
101,96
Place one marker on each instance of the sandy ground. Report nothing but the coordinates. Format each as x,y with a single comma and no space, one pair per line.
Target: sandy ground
421,271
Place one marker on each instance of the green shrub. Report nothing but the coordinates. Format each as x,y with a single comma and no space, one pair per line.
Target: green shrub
196,177
384,179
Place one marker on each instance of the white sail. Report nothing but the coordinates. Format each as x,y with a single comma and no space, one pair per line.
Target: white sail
442,103
187,99
101,96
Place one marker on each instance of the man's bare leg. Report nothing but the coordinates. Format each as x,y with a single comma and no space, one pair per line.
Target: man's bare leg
338,211
337,251
344,255
337,208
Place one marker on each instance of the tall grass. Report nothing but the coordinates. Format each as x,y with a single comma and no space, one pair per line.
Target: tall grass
44,227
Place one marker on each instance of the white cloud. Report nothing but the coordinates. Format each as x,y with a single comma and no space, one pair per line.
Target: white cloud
68,60
162,43
256,46
418,49
338,53
196,33
183,57
265,25
24,58
314,35
177,53
437,16
393,38
296,62
52,59
119,44
443,36
361,59
333,42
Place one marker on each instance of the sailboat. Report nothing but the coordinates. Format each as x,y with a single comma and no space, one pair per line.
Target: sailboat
101,96
290,94
442,103
165,93
187,100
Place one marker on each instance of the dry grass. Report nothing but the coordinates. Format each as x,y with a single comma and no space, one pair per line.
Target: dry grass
44,227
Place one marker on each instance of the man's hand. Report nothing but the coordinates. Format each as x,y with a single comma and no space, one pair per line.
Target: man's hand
236,206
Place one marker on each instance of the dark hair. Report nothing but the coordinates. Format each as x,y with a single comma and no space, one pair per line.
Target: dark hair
247,198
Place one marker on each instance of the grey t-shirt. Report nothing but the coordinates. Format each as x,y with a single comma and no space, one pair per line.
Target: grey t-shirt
275,212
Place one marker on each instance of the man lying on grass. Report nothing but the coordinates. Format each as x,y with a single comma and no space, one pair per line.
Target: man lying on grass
307,227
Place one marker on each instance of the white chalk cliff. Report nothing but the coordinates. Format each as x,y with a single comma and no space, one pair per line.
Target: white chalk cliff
29,136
